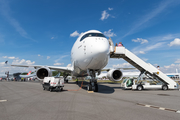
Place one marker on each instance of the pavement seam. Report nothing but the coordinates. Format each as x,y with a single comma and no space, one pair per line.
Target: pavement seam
160,108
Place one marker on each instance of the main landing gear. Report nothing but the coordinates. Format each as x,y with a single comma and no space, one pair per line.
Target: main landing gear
92,86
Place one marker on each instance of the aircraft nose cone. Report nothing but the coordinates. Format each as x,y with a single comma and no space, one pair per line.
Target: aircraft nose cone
102,47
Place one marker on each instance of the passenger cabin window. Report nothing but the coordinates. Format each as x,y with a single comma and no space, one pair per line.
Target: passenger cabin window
92,35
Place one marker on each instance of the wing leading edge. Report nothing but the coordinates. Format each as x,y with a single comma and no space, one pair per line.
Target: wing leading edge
63,69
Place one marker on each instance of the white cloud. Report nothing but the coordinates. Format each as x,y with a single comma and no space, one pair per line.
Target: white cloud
52,37
109,33
123,65
104,15
177,61
61,58
175,42
145,59
170,68
58,63
39,55
5,67
69,65
152,47
5,10
142,41
74,34
11,57
110,8
48,57
2,63
141,52
23,61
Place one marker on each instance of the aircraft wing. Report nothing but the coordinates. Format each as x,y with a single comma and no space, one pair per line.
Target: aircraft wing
62,69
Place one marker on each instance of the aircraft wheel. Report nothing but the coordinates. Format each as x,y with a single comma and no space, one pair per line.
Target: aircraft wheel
164,87
139,87
50,90
61,89
96,88
89,87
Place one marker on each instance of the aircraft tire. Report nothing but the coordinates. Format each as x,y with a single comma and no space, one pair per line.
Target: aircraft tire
96,88
89,87
61,89
50,90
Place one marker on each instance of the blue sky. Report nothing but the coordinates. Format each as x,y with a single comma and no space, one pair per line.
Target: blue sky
42,32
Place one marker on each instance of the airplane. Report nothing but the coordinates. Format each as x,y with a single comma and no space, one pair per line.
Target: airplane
27,76
10,76
89,55
174,76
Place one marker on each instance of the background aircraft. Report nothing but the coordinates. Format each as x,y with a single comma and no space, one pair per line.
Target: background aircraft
10,76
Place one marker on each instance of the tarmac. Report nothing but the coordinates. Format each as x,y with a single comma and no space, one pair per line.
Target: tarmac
28,101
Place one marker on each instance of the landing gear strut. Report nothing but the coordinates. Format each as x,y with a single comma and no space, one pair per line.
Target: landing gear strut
65,78
92,86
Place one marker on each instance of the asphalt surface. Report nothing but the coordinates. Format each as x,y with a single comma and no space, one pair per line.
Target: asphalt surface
28,101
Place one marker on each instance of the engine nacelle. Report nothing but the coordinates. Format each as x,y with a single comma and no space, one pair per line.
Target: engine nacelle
43,72
115,75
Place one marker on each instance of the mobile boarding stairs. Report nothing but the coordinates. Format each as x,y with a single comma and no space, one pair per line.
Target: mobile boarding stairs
145,68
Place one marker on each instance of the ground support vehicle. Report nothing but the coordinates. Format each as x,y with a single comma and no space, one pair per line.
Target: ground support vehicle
147,70
134,84
127,83
53,83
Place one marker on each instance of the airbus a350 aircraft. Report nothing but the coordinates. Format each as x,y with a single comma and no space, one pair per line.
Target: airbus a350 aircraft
89,55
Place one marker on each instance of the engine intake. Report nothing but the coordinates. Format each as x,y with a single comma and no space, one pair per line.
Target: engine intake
43,72
115,75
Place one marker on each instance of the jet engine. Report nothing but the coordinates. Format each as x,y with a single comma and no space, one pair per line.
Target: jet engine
43,72
114,75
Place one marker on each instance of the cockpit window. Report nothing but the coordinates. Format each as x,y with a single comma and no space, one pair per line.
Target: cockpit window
92,35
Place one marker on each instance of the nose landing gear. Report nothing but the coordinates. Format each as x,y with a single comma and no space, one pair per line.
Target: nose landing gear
92,86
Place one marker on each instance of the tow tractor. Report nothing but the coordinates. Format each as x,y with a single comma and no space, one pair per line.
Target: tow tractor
53,83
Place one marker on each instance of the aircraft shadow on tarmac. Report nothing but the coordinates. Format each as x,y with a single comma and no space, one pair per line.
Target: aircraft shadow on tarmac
102,88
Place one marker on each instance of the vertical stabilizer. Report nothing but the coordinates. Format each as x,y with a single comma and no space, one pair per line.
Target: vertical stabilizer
29,73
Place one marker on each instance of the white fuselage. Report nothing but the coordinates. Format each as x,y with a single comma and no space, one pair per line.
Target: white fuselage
89,52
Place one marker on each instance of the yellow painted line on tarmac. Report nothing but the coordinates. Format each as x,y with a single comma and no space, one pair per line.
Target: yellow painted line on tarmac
3,100
162,108
90,91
